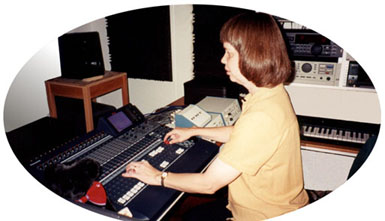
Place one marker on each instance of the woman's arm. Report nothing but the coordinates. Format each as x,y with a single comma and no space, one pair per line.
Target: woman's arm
217,175
219,134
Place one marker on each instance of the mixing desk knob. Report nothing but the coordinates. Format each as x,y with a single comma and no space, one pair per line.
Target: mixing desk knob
306,67
316,49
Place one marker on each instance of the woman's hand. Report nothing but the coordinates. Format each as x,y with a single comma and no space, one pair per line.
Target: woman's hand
144,172
178,135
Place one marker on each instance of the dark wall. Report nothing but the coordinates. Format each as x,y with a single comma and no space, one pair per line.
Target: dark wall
140,43
208,49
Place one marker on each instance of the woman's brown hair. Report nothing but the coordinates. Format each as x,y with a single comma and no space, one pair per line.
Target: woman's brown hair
263,57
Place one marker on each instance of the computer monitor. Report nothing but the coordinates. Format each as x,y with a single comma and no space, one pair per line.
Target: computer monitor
80,55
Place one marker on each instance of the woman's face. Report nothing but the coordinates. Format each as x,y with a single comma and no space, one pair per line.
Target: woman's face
231,61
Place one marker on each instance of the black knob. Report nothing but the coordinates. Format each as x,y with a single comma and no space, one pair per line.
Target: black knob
306,67
316,49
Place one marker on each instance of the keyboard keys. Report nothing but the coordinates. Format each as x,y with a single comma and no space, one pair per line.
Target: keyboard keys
347,137
327,133
340,134
322,133
334,134
314,133
360,137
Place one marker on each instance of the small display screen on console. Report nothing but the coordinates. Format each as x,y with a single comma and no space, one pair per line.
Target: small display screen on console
119,121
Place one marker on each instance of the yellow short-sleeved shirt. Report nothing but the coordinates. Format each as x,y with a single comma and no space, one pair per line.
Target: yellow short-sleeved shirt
265,147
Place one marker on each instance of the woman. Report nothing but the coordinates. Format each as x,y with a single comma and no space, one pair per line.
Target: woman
260,161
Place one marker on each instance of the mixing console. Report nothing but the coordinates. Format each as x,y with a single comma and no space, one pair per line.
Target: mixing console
143,141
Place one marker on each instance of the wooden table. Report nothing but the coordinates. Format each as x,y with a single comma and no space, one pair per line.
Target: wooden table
87,90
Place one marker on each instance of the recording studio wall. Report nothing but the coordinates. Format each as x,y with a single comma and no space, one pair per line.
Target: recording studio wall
208,49
140,43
